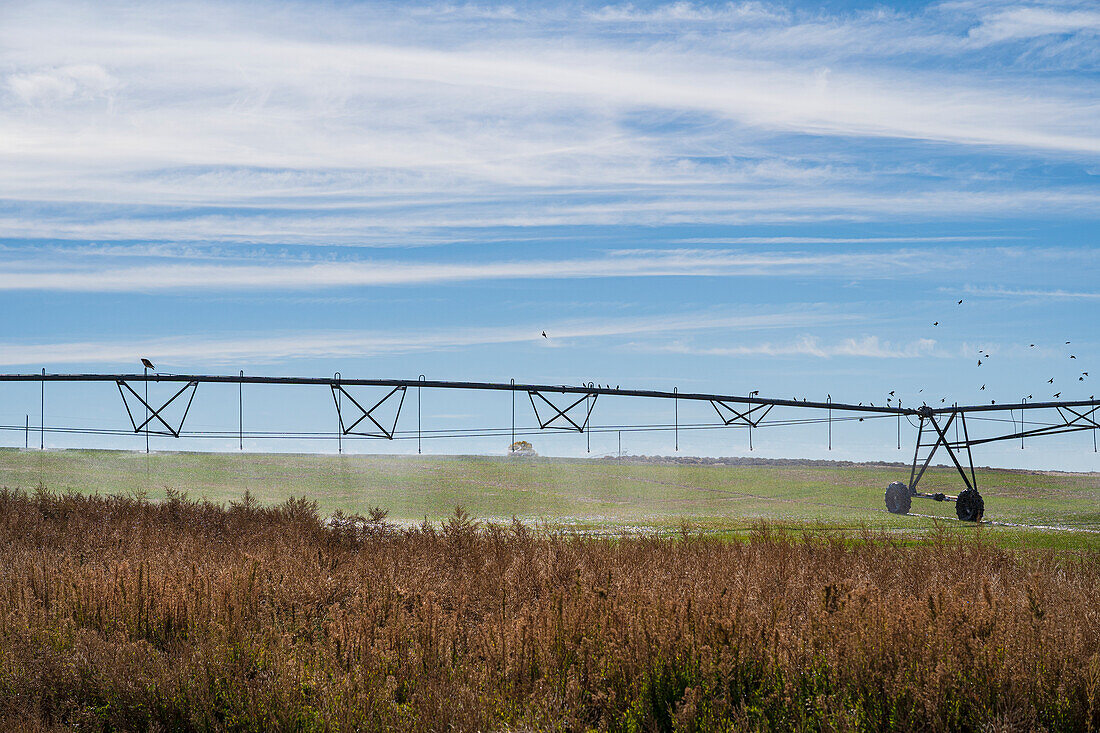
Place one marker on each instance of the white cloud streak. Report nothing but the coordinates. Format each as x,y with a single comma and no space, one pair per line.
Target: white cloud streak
390,110
642,263
1023,22
864,347
1031,293
843,240
179,353
396,225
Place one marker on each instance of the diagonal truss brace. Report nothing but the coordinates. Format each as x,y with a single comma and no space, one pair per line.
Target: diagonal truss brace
1084,420
738,417
952,447
368,413
562,413
155,414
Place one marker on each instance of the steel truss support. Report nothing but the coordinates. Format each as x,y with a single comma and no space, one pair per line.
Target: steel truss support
1086,419
562,413
969,505
928,423
156,413
733,416
368,413
1072,420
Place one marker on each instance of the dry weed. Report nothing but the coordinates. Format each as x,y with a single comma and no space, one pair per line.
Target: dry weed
118,613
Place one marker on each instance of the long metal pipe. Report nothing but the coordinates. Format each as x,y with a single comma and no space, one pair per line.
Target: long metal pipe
517,387
442,384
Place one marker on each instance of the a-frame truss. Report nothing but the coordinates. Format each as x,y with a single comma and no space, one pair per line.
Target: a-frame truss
561,415
156,413
380,430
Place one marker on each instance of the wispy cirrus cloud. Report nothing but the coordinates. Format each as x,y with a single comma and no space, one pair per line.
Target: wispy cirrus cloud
424,218
1035,21
180,352
945,239
36,275
681,11
1032,293
390,113
863,347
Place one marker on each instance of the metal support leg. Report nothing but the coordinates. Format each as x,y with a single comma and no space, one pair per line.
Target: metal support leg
418,415
968,504
947,446
899,426
916,455
339,416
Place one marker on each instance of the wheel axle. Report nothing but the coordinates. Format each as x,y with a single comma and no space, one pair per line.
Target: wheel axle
969,505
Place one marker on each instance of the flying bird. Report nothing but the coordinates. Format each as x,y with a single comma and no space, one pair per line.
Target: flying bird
1050,381
936,323
544,335
147,364
1057,395
1085,373
891,393
1072,356
960,302
979,362
1067,342
1031,346
983,387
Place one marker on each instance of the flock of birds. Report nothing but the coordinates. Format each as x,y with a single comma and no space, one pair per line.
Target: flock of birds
982,354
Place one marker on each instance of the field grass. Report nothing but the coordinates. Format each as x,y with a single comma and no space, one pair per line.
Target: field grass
124,614
594,495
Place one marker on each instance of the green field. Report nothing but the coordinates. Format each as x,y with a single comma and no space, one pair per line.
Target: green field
588,494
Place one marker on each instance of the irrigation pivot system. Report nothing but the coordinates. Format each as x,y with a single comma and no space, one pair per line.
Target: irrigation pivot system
371,408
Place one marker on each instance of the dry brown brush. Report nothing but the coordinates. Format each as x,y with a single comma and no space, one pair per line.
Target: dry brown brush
123,614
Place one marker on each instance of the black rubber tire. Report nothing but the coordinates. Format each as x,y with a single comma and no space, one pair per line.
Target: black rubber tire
970,506
898,498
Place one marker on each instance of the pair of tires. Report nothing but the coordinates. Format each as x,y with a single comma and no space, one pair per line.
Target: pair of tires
969,507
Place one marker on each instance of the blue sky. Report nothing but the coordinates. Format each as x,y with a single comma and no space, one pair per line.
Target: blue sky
721,197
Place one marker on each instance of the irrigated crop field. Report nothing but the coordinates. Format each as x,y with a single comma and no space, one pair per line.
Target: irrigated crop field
124,606
586,494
